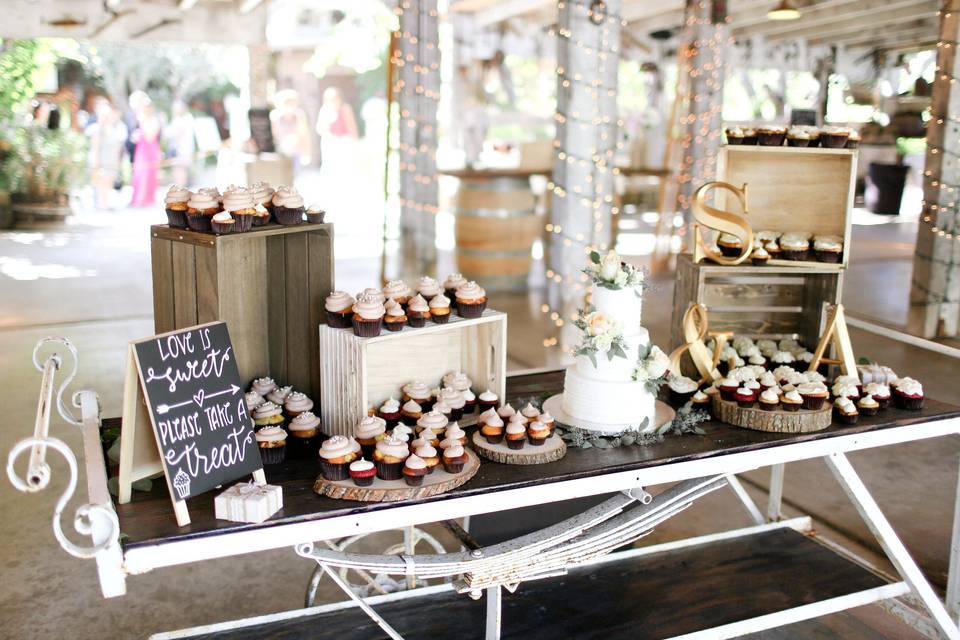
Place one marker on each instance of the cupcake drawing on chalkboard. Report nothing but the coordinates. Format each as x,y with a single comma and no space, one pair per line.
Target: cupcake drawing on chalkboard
181,483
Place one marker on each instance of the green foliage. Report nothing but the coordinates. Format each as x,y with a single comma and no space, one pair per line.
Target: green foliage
41,163
19,62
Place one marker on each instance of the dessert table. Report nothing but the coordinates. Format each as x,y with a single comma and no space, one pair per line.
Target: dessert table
795,577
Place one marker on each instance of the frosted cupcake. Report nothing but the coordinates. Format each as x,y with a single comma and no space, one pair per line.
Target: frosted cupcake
845,410
223,223
339,307
908,394
262,194
414,471
279,394
454,434
304,430
454,458
238,202
430,456
433,421
315,215
537,433
362,472
263,386
296,403
471,300
395,318
828,249
336,454
453,282
682,389
390,412
398,290
428,287
389,457
516,435
252,400
368,432
175,204
440,308
268,414
367,317
288,206
834,137
272,443
410,412
418,311
200,210
488,400
420,393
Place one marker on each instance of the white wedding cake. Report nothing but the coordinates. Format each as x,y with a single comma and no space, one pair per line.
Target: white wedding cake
616,372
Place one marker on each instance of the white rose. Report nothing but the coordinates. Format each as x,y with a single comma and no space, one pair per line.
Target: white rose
597,324
603,342
621,278
641,373
609,266
657,362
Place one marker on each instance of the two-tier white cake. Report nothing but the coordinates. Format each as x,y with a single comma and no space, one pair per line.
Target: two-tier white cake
608,384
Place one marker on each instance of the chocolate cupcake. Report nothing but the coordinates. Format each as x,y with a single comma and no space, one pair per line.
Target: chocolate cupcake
771,136
729,245
414,470
389,457
828,249
420,393
336,454
537,433
834,137
795,246
453,282
175,204
814,395
394,319
362,472
368,432
760,257
418,311
272,442
440,308
488,400
845,411
516,435
799,136
410,412
454,458
399,291
315,215
791,400
734,135
238,202
200,210
769,399
471,300
867,406
288,206
681,389
339,307
367,317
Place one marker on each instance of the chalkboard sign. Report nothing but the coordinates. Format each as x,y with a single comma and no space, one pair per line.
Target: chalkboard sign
261,130
195,398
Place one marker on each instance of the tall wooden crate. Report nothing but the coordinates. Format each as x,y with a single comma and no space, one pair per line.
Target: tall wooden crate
759,302
268,285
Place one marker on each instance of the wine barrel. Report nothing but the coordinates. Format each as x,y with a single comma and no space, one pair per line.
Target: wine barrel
496,226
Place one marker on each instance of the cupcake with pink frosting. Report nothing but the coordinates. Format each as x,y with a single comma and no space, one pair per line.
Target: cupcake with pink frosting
201,207
339,308
288,206
262,194
368,315
238,202
175,204
471,300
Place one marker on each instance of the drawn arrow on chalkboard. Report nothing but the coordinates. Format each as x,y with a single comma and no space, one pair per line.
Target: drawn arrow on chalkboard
199,397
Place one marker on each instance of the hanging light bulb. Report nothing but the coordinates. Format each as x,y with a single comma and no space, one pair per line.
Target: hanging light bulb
784,11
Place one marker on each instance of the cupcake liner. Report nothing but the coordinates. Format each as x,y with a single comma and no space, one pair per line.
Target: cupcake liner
244,222
679,399
452,467
393,326
273,455
260,221
455,414
787,254
813,403
413,481
389,470
441,319
536,442
790,406
223,228
833,141
831,257
869,411
177,219
851,144
759,262
471,309
727,395
749,140
770,139
199,222
332,471
883,402
847,418
797,142
497,439
907,403
367,328
730,252
516,444
363,482
416,321
735,140
287,216
769,406
745,404
340,320
410,421
316,217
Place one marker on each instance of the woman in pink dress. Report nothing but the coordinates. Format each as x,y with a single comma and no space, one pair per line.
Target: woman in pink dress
146,156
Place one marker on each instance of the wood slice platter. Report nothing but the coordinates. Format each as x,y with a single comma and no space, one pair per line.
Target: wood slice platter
552,449
396,490
777,421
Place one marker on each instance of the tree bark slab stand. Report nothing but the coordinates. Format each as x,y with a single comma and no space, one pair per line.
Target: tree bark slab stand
777,421
396,490
553,449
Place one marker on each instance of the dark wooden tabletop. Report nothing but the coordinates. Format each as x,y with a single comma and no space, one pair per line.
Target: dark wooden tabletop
148,518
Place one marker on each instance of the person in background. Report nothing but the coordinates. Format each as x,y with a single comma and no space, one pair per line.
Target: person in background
107,136
181,144
336,125
146,152
291,133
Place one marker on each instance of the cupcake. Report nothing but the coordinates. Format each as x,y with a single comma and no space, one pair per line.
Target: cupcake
296,403
908,394
794,247
398,290
530,413
867,406
791,400
834,137
749,136
336,454
304,429
827,249
268,414
798,137
214,195
402,432
853,140
424,439
814,394
279,395
492,429
471,300
238,202
443,408
252,400
272,442
469,401
175,204
505,412
457,380
454,433
388,456
783,359
453,399
410,412
845,390
428,288
454,458
262,194
771,136
373,292
488,400
429,455
362,472
367,317
418,311
339,307
879,392
420,393
414,470
516,434
757,361
701,400
728,388
760,257
433,421
845,410
440,308
773,248
288,206
453,282
745,397
395,318
315,215
223,223
734,135
682,389
537,433
729,245
769,400
767,380
201,207
263,386
368,432
389,412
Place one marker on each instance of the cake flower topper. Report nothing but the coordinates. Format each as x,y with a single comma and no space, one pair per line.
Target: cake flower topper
601,334
610,272
652,368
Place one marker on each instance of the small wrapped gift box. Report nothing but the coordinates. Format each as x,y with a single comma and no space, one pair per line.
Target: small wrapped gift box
248,502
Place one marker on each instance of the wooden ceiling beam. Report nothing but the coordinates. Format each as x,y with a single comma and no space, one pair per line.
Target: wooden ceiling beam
878,18
826,13
904,30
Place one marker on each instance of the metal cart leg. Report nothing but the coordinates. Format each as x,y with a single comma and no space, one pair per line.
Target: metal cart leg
953,573
745,498
776,493
494,613
897,553
367,609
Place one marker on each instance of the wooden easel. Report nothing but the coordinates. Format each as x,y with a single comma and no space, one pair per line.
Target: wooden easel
835,332
139,442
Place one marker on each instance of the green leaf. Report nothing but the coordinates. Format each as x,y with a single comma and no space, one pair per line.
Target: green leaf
594,257
593,358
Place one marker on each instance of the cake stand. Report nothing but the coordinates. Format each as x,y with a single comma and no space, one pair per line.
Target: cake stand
663,413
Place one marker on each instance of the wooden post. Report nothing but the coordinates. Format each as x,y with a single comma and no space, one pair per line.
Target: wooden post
588,53
705,39
935,289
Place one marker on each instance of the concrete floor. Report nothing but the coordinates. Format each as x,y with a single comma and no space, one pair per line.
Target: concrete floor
89,280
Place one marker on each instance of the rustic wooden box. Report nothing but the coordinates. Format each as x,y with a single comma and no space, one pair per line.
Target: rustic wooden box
793,189
268,285
758,302
358,374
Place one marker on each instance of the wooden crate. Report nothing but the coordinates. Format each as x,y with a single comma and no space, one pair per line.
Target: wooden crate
268,285
358,374
793,189
759,302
